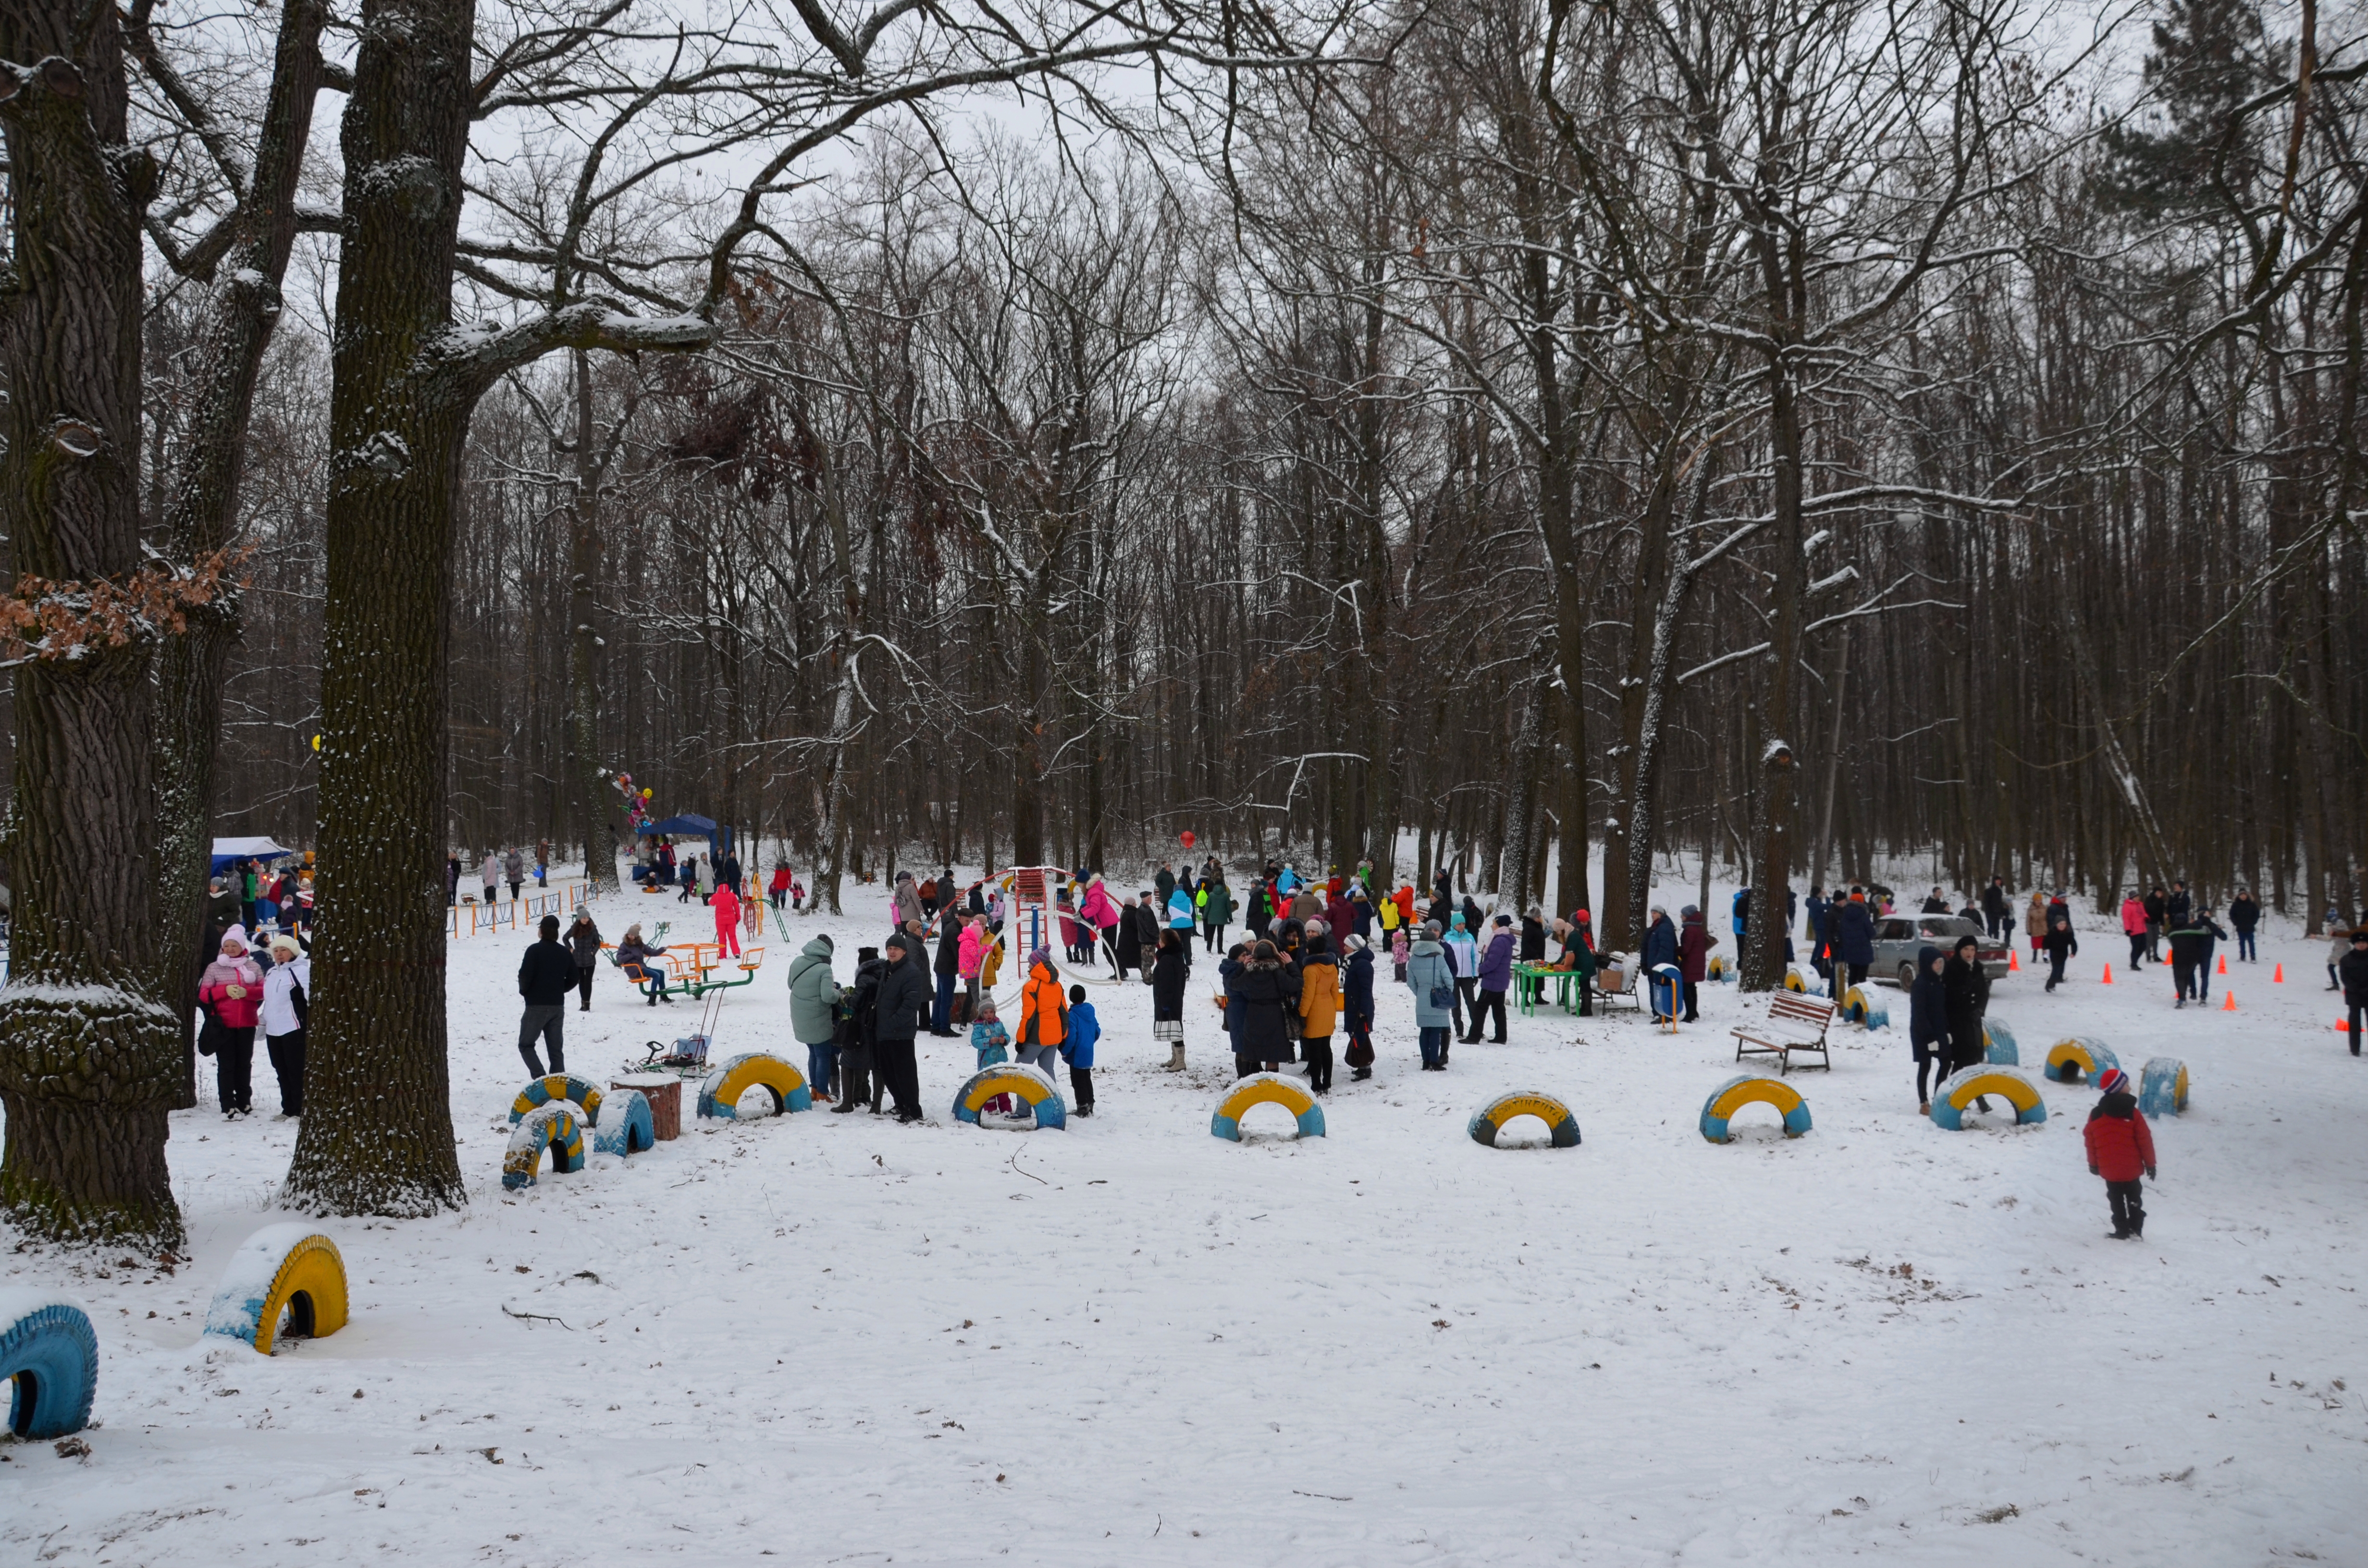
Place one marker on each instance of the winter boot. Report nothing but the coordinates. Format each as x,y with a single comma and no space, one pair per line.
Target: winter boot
1176,1056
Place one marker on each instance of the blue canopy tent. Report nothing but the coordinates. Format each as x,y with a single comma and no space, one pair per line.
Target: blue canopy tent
229,852
686,824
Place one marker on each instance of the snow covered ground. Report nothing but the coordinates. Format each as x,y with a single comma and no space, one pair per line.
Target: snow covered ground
834,1339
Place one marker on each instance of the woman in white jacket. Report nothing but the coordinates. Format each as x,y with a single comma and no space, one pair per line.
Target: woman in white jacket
287,987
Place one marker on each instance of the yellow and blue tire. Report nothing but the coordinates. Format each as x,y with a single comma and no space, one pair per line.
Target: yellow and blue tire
557,1126
1794,982
1267,1088
1489,1120
631,1129
556,1086
1997,1044
1031,1087
2162,1086
1720,970
1862,1008
291,1268
1967,1084
2070,1061
1751,1089
719,1096
49,1358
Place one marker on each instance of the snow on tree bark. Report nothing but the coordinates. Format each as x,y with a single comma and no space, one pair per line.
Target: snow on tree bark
88,1056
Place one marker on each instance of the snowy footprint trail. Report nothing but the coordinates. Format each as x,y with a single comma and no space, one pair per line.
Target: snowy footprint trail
829,1338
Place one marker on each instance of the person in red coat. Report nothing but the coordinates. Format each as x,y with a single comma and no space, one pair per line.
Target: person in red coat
1695,943
726,905
2120,1149
231,991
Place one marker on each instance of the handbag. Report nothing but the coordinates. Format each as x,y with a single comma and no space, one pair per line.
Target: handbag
962,1007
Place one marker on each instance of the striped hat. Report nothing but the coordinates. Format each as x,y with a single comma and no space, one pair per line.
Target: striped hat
2113,1081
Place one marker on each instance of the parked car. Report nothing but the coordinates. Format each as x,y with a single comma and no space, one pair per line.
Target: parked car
1899,939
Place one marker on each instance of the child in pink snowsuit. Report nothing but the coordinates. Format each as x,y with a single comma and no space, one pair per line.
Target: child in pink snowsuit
727,919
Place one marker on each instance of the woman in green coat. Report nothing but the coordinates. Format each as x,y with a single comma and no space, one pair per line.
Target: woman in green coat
1216,901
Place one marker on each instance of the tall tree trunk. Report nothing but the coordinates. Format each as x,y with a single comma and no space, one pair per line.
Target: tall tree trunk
201,515
594,794
377,1133
1772,839
90,1054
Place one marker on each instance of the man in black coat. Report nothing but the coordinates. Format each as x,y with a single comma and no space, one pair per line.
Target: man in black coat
1146,929
948,969
2244,916
1934,903
1852,942
1994,908
2059,944
859,1036
903,1007
2353,972
546,975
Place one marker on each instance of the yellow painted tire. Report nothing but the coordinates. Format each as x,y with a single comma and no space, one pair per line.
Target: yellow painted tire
1267,1088
1960,1088
719,1096
291,1269
1750,1089
2079,1060
1488,1122
1032,1089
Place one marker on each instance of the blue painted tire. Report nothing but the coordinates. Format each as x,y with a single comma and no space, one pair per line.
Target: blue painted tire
1999,1048
558,1128
2064,1067
50,1357
585,1097
1959,1089
629,1129
2162,1087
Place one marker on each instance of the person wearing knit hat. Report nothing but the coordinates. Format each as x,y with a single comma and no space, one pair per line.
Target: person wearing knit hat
2120,1149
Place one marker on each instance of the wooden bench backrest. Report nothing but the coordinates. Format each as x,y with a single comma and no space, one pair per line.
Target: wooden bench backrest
1806,1009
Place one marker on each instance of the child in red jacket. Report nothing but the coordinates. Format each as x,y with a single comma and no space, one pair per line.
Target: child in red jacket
2121,1148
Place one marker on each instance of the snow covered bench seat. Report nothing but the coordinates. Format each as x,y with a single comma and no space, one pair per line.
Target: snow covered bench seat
1794,1022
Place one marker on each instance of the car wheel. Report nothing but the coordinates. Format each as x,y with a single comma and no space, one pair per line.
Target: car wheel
1908,977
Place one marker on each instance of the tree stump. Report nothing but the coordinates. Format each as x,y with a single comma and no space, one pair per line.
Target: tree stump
663,1091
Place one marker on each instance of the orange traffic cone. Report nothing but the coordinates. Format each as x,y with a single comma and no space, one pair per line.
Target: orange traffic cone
2012,963
2228,1001
2224,963
2343,1026
2109,975
2279,978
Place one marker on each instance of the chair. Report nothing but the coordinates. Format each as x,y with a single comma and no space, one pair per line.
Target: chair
1621,985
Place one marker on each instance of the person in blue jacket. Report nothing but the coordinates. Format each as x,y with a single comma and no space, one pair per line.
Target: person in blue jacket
1853,934
1077,1049
1661,948
1817,907
1181,919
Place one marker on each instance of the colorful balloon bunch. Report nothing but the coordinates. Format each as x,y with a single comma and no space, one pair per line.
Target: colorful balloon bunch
637,801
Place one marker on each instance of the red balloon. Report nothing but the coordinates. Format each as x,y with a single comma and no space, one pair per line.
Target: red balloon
1186,837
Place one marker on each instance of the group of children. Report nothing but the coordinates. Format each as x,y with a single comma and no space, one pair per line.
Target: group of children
1049,1025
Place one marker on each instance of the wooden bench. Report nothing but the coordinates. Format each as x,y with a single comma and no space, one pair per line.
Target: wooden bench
1793,1023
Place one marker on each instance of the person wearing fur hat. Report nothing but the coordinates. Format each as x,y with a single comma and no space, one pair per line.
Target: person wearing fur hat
2120,1149
286,1003
231,991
